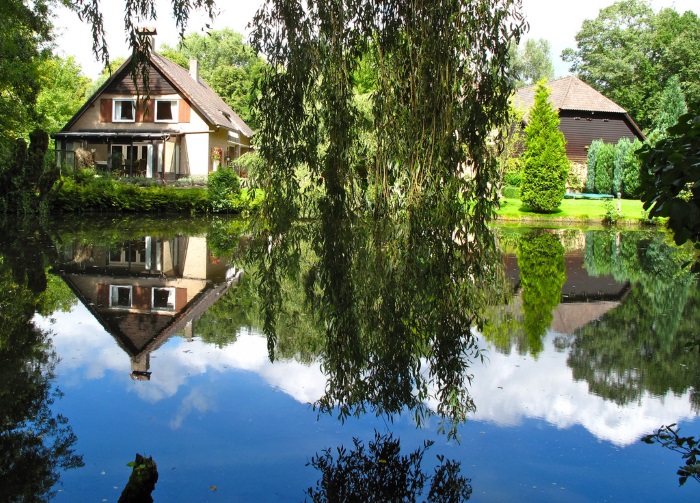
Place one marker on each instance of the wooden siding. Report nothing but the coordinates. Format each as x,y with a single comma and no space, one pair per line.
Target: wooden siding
123,84
106,110
581,128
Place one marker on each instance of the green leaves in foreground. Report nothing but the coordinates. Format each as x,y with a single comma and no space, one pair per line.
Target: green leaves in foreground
689,447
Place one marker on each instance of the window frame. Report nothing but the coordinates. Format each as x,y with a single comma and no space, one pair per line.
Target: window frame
175,109
171,294
114,296
114,109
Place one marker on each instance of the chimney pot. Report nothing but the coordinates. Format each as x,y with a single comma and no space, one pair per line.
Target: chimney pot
194,69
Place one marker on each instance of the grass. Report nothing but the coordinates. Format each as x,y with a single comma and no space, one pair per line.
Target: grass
584,210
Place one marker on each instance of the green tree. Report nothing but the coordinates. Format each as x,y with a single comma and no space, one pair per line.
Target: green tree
542,274
671,180
531,62
605,169
671,105
628,52
227,64
626,175
63,90
545,165
591,164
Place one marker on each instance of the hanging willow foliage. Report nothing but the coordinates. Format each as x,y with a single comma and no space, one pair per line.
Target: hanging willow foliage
401,183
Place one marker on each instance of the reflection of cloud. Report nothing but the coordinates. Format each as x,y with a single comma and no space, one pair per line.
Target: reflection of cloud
199,400
506,389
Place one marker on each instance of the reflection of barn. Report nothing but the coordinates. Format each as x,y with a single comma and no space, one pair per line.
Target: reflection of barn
144,291
584,298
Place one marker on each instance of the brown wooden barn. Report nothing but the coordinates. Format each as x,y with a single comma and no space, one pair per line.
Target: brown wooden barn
585,115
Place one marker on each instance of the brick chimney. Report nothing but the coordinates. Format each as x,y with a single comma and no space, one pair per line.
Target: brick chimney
146,35
194,69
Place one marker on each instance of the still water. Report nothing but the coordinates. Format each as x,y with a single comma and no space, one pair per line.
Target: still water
143,336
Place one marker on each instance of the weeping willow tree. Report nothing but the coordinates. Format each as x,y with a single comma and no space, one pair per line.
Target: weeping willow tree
400,184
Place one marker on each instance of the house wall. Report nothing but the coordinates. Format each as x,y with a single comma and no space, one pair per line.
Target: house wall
581,128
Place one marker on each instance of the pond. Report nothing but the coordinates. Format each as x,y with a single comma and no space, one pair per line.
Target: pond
123,336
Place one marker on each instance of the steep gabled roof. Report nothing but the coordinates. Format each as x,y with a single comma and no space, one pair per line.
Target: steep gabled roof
200,96
569,93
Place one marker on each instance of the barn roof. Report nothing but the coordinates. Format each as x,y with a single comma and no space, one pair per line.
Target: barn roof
569,93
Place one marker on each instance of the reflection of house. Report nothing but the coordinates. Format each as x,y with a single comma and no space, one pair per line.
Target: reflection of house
584,114
584,298
179,131
147,290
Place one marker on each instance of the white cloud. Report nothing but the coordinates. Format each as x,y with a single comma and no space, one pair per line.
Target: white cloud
506,389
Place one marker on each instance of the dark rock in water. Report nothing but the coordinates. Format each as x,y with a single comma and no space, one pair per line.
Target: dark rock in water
142,481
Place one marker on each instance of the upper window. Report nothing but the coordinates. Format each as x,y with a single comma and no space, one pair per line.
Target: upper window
124,110
163,299
166,110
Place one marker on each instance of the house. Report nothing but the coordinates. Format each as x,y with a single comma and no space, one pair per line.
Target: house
183,129
146,290
584,114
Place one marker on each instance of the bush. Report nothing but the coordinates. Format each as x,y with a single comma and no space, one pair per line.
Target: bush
511,192
591,161
631,173
604,169
224,188
84,176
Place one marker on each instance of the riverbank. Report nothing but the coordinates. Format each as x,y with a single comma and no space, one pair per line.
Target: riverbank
579,211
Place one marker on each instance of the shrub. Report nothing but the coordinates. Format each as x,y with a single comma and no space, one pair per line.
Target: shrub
513,168
545,166
591,161
511,192
631,174
604,169
224,188
624,155
84,176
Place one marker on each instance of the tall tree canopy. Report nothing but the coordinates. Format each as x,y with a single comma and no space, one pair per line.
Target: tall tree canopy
531,62
629,52
227,64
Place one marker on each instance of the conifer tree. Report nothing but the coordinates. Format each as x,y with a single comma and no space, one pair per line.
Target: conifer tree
545,166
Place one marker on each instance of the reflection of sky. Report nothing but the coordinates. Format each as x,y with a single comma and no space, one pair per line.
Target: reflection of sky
227,417
506,390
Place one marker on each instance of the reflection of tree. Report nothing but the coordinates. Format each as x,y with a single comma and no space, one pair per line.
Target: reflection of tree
688,447
542,274
380,473
645,344
35,443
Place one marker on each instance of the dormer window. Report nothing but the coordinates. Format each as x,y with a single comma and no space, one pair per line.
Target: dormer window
124,110
166,110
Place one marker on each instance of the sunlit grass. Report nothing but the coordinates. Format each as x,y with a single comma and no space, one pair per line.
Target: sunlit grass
573,209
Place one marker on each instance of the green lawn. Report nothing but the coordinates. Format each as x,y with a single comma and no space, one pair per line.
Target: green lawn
587,210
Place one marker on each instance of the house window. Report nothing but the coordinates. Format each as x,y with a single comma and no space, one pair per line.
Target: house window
166,110
120,296
124,110
163,299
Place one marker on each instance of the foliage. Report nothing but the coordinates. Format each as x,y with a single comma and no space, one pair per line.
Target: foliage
545,165
542,274
510,191
509,146
689,447
591,161
671,105
224,188
653,327
605,168
671,178
628,52
36,443
28,177
25,32
227,64
395,224
632,171
380,473
531,63
63,90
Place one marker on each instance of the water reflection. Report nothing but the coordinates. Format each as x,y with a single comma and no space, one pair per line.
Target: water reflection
609,360
35,442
